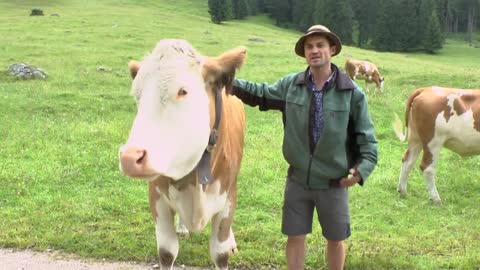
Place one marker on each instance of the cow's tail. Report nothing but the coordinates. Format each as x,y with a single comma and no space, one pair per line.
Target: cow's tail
398,125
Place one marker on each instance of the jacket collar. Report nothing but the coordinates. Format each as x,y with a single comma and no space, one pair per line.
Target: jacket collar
342,81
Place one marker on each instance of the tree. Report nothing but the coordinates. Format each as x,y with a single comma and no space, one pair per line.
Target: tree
339,19
302,14
220,10
365,14
433,40
385,39
280,11
240,9
408,28
252,7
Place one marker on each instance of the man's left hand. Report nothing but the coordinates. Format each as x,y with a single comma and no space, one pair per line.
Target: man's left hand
350,179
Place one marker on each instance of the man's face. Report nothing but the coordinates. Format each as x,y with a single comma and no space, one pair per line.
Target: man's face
318,51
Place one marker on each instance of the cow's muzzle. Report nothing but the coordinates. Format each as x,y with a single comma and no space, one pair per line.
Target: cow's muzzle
134,162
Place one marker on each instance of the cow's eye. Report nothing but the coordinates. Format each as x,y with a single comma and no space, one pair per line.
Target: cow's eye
182,92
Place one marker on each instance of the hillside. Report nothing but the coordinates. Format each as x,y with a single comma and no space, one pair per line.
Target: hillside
59,138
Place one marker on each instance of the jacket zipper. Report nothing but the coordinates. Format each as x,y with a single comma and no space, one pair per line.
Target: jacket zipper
308,172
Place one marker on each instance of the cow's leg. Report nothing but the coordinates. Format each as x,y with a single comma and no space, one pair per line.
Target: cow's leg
366,86
408,160
181,228
222,241
429,161
167,239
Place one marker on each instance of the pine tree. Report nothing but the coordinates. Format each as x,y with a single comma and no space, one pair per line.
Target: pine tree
407,25
385,38
280,11
320,12
433,40
365,14
302,14
220,10
240,9
339,19
252,7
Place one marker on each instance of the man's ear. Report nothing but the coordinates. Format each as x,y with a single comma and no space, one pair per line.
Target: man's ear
134,66
334,49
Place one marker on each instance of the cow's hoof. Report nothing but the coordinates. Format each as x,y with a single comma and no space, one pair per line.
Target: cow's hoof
436,201
182,231
403,194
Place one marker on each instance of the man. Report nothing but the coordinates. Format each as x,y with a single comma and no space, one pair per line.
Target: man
329,144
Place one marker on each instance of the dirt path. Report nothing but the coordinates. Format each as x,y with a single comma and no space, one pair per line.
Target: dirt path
11,259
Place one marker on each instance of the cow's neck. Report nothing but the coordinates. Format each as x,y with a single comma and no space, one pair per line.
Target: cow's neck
204,172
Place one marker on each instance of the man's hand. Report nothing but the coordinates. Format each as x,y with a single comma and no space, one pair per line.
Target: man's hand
351,179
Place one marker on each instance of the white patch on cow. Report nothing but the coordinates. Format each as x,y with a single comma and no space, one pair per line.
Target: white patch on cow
174,131
366,66
458,133
217,247
438,91
196,207
166,237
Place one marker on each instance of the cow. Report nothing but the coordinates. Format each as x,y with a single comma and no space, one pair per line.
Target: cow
187,142
437,117
364,70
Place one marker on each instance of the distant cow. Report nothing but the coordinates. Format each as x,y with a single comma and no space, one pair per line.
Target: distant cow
437,117
187,141
364,70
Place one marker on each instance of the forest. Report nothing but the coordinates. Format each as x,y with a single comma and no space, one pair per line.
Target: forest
386,25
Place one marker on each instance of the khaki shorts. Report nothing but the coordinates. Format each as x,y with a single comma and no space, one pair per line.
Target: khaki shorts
332,211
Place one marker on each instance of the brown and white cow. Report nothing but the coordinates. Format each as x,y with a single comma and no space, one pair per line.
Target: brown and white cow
364,70
438,117
178,92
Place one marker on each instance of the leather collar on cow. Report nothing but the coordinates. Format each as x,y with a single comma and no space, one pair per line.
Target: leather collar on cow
203,169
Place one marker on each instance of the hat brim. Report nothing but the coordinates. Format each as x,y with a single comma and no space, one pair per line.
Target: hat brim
300,46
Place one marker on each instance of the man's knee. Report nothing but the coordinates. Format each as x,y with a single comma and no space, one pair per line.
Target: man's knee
298,239
333,243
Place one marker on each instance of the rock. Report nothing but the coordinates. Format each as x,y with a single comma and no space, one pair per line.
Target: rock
36,12
25,71
103,69
256,40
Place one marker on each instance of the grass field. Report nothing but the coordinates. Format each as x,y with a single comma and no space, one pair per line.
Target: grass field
60,184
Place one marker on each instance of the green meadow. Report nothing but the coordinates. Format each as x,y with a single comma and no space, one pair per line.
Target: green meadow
61,189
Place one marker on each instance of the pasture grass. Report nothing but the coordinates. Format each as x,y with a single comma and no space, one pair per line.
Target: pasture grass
60,184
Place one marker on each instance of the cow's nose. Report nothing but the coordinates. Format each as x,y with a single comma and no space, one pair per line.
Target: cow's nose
134,161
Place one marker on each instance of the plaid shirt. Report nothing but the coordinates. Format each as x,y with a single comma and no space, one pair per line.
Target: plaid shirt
317,113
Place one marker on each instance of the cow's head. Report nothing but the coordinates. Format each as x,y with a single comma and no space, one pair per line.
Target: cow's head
378,79
173,88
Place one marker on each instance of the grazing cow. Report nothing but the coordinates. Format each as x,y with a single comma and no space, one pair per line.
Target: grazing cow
187,141
364,70
437,117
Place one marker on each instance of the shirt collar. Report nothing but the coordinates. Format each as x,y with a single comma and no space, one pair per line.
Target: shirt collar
327,82
343,82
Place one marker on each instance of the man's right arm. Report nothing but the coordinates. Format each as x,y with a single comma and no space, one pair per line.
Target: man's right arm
263,95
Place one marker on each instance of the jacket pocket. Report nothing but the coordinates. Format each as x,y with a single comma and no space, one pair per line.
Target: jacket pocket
336,117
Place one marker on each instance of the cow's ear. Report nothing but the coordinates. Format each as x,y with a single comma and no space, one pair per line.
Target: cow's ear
134,66
219,71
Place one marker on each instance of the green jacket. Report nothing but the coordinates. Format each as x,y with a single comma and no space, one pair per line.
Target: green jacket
347,139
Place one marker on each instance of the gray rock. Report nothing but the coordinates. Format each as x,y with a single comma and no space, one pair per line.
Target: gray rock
26,72
256,40
36,12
